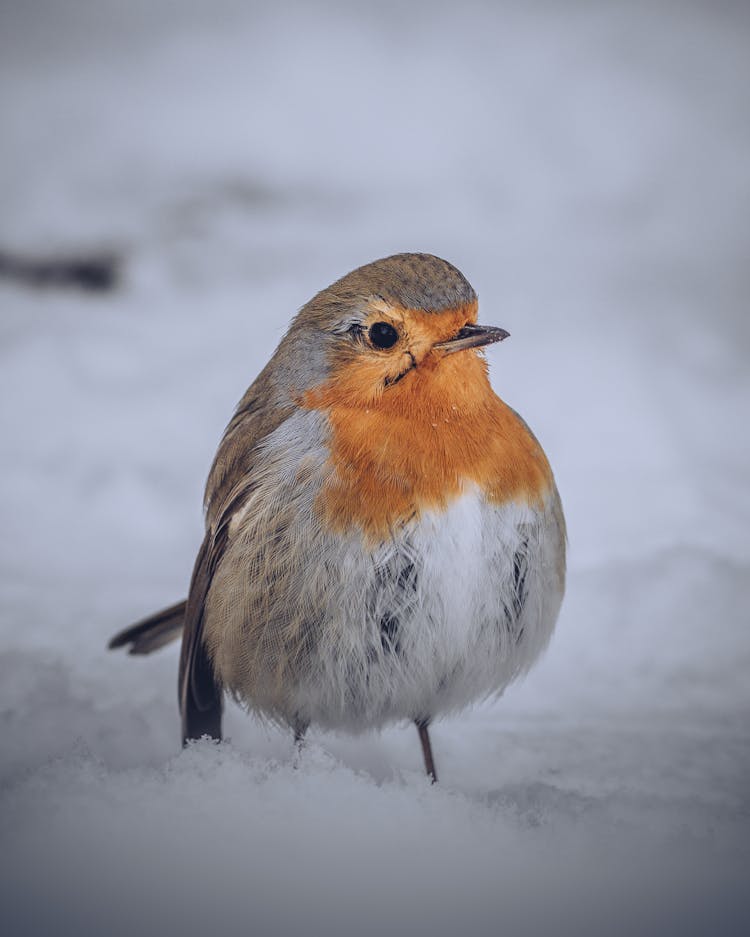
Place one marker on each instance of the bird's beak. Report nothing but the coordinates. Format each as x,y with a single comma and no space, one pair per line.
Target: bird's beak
472,336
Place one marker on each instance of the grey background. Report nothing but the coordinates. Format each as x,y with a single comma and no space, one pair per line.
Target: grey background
587,167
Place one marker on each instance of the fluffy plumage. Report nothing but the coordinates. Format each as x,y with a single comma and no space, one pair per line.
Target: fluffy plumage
384,538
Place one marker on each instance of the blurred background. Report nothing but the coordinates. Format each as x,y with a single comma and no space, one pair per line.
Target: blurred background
176,180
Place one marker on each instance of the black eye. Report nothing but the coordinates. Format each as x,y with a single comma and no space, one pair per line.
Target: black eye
383,335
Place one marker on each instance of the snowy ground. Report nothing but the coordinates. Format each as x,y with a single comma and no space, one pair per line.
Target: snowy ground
588,168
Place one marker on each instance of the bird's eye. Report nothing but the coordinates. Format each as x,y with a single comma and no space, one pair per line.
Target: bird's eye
383,335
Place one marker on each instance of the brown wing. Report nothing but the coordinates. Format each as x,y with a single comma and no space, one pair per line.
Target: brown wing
229,484
200,690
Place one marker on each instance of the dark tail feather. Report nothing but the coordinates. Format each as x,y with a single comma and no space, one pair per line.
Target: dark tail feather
153,632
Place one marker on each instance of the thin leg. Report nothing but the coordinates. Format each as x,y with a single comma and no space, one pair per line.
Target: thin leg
299,741
424,738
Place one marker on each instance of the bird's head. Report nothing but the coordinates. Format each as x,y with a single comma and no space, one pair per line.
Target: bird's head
391,329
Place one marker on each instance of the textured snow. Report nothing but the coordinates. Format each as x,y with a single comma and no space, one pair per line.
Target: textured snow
588,168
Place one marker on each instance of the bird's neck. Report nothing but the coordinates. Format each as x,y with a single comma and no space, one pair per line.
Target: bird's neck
422,443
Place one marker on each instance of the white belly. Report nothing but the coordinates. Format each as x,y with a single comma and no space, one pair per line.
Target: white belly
447,614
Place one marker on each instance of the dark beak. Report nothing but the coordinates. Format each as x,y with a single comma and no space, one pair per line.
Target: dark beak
472,336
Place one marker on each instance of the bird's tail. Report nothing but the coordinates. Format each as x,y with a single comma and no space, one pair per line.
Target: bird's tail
153,632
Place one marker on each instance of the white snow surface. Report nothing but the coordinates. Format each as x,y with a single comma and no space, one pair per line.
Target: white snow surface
587,166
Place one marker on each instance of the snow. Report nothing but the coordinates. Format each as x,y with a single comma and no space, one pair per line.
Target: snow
587,168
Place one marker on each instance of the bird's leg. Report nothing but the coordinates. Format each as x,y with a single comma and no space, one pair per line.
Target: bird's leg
424,738
300,728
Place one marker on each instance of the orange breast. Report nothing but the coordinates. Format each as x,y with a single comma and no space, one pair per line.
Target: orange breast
421,444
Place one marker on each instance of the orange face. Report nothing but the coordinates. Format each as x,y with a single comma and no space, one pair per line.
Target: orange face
392,342
414,424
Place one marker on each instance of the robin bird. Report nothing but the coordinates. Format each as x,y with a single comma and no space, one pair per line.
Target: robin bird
384,537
